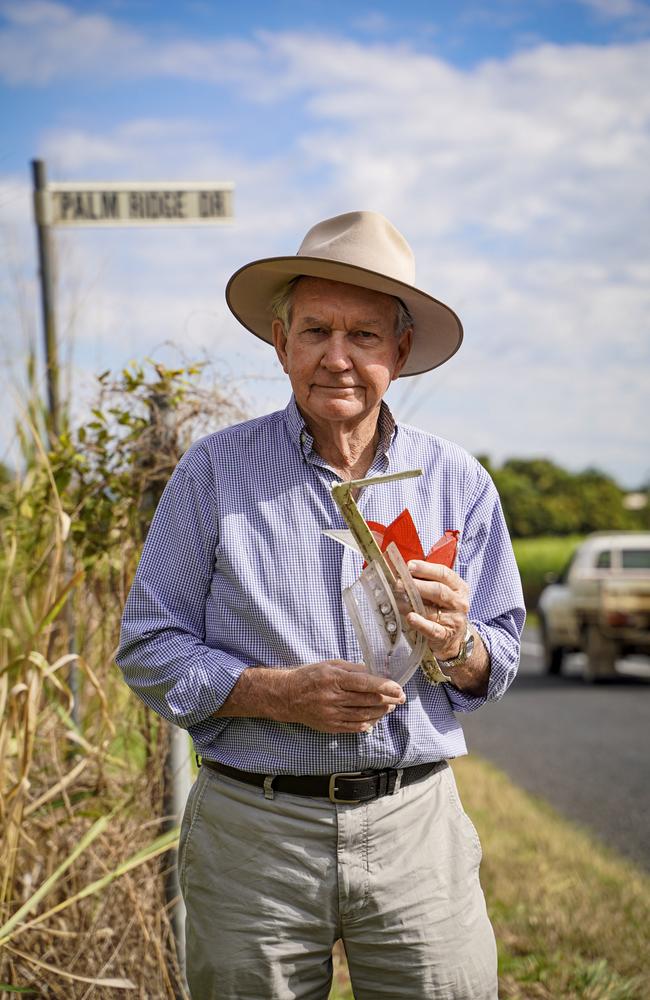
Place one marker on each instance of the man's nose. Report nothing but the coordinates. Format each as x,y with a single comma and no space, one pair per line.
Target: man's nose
336,356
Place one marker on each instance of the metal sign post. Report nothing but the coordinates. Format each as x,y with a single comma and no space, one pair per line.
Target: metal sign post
46,274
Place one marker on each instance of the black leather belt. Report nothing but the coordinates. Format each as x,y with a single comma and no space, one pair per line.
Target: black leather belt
343,786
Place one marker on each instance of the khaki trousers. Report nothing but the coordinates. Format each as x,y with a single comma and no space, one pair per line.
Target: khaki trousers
270,884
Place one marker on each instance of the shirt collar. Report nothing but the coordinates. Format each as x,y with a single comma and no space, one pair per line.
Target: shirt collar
301,436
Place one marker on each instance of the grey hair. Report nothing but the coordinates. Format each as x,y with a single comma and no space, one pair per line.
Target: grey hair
403,318
282,302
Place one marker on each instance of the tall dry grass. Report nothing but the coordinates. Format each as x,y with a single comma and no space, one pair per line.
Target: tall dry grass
84,846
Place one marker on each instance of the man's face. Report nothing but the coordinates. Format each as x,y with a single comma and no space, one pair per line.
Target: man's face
341,352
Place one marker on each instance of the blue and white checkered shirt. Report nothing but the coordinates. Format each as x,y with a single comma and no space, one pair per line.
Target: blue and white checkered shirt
236,573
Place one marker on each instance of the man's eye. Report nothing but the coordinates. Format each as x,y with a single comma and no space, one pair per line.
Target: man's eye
366,335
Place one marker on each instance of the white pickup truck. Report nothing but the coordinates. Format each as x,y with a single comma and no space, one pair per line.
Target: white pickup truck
600,605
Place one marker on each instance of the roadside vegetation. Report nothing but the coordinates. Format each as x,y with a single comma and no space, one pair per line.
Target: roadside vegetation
85,843
571,918
549,511
540,498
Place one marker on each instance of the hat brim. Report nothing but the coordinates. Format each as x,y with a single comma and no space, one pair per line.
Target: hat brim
437,330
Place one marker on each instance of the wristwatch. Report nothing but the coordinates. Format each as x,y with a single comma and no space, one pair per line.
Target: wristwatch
464,653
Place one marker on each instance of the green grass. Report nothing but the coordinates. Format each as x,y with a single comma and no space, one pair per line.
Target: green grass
536,557
571,918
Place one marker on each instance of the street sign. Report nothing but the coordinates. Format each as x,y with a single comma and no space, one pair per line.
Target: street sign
174,203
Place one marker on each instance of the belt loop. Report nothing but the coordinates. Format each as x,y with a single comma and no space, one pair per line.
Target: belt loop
197,759
268,786
398,781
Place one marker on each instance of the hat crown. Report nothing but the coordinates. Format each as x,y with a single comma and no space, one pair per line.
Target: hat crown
358,248
363,239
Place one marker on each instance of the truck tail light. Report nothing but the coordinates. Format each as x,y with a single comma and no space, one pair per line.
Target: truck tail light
617,618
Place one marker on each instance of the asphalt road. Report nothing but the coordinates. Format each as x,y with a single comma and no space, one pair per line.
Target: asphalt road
584,748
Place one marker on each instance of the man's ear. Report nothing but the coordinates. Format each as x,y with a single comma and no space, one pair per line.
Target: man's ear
280,343
403,351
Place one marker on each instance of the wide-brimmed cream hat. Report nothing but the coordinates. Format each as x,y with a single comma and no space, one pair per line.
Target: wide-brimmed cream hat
358,248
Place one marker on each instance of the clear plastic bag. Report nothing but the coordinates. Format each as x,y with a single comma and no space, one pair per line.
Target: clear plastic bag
377,610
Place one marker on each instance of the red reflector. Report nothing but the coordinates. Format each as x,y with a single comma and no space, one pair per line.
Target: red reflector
617,618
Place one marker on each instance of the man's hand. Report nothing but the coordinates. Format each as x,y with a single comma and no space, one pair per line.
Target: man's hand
332,697
446,603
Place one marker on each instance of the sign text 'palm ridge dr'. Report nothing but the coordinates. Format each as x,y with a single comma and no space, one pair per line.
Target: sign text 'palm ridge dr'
99,204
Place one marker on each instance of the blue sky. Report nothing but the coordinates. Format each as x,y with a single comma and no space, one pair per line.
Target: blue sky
508,141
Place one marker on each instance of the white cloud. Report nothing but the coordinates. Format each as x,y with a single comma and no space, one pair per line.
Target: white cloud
374,22
44,41
635,10
521,184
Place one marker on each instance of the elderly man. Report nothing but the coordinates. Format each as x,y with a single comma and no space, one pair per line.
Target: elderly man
325,807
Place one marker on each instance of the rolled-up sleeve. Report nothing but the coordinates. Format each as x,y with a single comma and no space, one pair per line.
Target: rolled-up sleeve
162,651
496,599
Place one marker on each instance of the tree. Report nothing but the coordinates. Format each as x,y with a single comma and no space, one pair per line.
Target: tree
541,498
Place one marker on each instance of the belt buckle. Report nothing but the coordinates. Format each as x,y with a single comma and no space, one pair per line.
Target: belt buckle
332,787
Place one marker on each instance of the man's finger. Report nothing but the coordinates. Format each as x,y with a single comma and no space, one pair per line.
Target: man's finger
355,713
440,594
443,597
371,684
422,570
359,668
359,701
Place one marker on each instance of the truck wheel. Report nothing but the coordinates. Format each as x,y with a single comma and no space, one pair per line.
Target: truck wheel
552,656
602,654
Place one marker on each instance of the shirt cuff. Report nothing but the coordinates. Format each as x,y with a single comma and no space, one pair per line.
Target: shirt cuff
204,688
503,649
